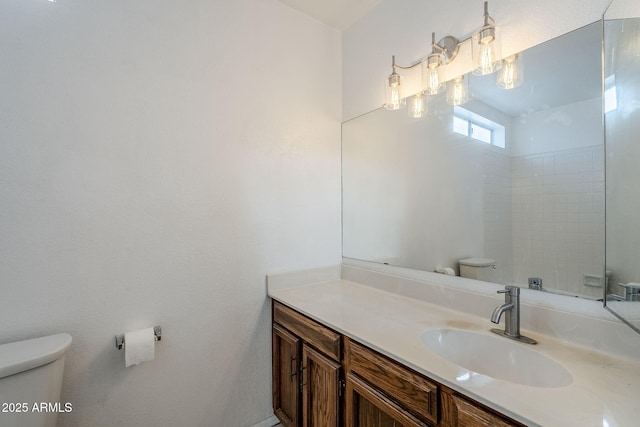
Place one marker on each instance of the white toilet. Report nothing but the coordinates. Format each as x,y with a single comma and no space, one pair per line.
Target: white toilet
31,380
478,269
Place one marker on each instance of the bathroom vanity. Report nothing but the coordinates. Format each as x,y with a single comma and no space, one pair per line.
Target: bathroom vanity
350,348
308,361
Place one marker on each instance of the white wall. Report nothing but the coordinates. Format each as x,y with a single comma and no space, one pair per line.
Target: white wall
497,217
403,28
157,159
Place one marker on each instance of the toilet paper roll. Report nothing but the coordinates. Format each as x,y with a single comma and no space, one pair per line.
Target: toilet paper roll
139,346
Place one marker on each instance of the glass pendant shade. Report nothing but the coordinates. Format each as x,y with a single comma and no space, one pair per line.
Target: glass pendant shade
486,47
416,106
431,82
393,93
457,91
512,73
486,51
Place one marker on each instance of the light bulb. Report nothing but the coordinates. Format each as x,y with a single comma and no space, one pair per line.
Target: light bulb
431,76
486,59
394,99
395,96
511,75
416,106
434,86
457,91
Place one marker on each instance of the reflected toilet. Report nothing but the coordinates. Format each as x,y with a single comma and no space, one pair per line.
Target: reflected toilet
478,269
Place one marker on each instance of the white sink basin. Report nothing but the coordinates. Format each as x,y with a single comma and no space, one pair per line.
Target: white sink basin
496,357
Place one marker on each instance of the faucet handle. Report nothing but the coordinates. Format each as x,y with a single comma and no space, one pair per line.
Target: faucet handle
510,289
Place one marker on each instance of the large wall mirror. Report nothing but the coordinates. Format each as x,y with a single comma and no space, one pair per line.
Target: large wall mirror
508,187
622,121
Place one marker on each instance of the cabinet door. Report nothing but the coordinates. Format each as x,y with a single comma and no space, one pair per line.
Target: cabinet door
320,389
365,406
286,348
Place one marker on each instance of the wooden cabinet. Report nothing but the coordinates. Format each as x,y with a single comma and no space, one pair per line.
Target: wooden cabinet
308,362
306,371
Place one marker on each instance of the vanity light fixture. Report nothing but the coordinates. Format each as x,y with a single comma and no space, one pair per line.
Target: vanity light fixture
393,96
512,73
485,47
416,107
486,55
458,91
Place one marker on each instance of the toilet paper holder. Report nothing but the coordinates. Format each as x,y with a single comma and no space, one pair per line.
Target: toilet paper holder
157,331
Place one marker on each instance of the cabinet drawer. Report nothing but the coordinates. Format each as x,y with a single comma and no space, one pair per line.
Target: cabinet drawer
460,412
411,390
366,406
320,337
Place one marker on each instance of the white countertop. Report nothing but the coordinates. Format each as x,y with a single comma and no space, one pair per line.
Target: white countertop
604,391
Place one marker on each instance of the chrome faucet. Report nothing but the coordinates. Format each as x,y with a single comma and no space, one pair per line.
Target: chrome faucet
511,310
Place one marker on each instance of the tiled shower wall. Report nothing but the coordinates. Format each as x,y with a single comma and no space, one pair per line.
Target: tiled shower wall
497,211
557,215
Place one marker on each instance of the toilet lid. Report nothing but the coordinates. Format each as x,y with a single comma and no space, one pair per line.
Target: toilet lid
477,262
20,356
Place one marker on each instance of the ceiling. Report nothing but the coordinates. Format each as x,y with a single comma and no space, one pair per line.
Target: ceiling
339,14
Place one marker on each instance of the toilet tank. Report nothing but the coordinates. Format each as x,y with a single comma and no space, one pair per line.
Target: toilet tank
478,269
31,381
